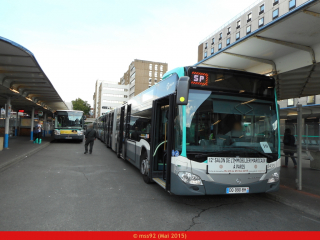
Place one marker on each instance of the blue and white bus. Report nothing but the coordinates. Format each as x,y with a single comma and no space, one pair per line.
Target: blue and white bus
201,131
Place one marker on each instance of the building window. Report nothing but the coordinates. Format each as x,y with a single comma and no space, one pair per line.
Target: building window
261,9
150,66
261,22
161,74
275,13
150,73
161,68
275,2
212,51
237,35
292,4
205,54
228,41
249,17
155,80
206,46
229,30
150,80
311,100
238,24
220,46
155,74
290,102
212,41
248,29
220,36
156,67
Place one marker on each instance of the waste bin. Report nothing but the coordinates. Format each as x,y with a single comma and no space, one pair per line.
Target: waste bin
1,143
315,164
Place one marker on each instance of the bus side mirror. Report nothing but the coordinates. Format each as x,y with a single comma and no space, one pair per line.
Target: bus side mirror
183,90
84,117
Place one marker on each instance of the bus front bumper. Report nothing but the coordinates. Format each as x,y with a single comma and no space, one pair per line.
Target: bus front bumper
178,187
68,137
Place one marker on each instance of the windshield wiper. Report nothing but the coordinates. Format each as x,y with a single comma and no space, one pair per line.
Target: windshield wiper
264,154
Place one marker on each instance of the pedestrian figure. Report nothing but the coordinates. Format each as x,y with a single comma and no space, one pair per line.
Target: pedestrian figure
90,136
39,133
289,145
35,135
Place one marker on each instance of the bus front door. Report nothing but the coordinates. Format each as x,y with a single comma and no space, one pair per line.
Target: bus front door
120,134
162,140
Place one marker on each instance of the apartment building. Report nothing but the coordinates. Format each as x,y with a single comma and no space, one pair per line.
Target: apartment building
107,96
96,97
142,74
255,16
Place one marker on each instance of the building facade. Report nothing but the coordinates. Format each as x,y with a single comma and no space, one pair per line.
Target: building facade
141,75
107,96
255,16
96,97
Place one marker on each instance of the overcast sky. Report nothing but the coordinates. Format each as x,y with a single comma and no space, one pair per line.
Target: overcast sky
78,42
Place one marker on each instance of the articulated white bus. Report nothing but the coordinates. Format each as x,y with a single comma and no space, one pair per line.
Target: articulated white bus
201,131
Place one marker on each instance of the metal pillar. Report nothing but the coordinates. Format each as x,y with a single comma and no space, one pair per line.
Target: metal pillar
299,146
16,127
6,124
32,124
307,138
319,138
45,124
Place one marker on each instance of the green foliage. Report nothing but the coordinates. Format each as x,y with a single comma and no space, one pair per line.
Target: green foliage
81,105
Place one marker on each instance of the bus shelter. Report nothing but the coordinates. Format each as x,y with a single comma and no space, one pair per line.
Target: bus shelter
23,86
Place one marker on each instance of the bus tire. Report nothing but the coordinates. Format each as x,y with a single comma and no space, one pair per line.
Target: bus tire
144,168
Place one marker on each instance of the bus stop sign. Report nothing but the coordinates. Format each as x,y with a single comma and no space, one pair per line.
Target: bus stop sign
183,90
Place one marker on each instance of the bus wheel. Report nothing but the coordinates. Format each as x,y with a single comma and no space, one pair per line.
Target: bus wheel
144,170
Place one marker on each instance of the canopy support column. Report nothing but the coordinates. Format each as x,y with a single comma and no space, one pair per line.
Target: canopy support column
32,124
16,127
45,124
299,146
7,122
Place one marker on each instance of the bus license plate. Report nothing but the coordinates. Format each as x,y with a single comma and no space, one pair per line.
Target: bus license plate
237,190
68,137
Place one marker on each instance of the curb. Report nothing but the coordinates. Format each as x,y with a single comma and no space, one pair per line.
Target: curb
299,205
15,160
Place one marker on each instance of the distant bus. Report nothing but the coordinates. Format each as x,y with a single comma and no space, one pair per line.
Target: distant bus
69,124
201,131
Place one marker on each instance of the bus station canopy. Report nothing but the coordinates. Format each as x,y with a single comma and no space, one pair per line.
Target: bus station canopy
287,48
23,80
308,111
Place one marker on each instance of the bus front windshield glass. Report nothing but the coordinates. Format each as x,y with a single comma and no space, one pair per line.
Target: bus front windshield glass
69,119
220,125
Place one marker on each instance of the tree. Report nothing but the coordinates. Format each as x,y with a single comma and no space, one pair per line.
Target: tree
81,105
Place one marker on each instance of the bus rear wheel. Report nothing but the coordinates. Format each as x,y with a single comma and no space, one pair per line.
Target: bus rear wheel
144,169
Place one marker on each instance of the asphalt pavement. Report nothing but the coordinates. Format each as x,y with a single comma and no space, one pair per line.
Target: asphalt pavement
60,188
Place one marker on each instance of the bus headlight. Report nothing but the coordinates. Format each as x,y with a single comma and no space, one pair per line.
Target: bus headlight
80,133
274,178
190,178
56,132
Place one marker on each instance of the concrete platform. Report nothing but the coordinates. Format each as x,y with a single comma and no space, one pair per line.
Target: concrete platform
20,148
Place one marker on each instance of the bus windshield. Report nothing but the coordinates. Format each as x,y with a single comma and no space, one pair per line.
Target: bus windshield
69,119
221,125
